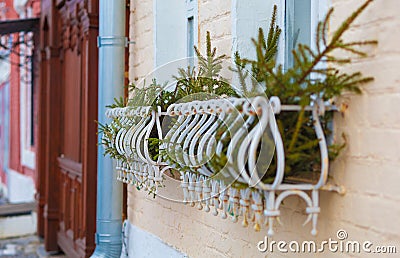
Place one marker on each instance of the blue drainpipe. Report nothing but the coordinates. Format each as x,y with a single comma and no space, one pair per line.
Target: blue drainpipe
111,43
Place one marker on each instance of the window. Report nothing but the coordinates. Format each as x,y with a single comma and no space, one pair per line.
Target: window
297,26
297,18
169,31
175,30
190,38
247,17
301,18
191,35
27,100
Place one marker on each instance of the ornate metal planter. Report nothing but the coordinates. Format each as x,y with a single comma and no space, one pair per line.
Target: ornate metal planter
243,131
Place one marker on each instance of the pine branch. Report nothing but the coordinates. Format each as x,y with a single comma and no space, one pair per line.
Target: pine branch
336,37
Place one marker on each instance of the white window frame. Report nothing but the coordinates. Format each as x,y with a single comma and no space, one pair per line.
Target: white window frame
319,9
191,12
27,154
247,17
171,29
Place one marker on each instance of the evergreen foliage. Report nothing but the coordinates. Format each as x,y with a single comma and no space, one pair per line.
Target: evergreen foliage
190,81
316,73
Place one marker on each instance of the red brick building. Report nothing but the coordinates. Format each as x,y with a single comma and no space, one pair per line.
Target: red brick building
17,103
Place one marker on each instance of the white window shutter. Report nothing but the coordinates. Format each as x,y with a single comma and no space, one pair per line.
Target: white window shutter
247,17
170,31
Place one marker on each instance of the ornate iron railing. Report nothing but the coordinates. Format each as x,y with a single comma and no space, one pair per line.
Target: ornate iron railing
244,131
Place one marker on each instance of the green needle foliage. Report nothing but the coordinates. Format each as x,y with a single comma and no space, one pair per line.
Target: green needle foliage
109,131
202,82
316,74
205,79
190,81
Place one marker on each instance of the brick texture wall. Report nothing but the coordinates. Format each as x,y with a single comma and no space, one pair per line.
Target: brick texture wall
215,16
141,58
368,168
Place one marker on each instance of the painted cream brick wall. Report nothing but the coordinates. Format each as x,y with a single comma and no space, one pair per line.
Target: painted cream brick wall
215,16
141,58
369,168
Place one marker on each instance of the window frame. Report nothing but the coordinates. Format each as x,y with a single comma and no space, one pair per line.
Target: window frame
191,14
319,9
26,104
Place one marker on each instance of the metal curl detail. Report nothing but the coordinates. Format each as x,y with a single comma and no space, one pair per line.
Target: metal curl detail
196,136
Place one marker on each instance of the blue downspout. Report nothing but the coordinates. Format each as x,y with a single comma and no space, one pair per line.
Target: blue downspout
111,43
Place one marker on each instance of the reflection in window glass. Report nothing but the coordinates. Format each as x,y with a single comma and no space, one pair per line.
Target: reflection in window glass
190,38
298,26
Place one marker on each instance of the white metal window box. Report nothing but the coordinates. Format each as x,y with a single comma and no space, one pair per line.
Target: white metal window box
194,137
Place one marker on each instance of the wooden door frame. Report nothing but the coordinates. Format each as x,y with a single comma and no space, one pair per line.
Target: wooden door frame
50,128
